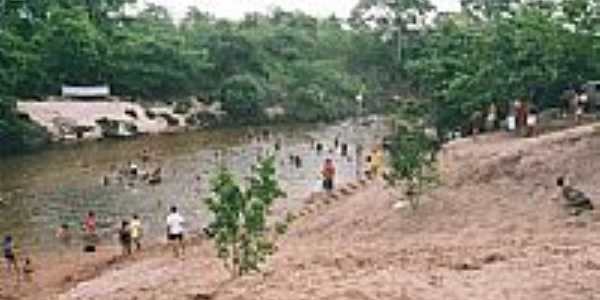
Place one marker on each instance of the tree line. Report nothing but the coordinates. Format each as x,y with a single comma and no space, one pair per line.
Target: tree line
302,63
492,51
453,63
457,64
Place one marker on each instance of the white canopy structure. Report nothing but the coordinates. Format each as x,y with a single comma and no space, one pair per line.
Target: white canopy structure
86,91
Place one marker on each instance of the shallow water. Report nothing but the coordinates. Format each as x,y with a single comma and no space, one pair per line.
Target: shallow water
43,190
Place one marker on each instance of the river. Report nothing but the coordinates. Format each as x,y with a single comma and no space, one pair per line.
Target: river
40,191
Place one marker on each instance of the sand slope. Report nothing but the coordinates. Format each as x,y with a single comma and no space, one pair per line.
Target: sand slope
493,230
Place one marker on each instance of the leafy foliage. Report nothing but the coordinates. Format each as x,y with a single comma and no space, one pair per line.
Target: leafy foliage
529,53
244,96
16,135
413,151
491,52
260,61
240,217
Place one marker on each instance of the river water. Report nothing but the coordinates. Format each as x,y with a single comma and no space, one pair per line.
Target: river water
38,192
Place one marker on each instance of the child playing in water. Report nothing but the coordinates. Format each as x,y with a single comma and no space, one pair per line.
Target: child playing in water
63,234
90,237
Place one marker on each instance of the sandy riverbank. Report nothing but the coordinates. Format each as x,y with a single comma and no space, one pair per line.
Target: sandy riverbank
493,230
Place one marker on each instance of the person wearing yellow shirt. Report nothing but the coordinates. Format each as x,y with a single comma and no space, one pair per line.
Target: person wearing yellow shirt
376,167
136,231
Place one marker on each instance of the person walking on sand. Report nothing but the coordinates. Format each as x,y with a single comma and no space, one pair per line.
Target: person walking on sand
574,107
175,231
28,269
581,101
492,115
522,112
376,162
328,174
125,238
359,161
9,254
519,116
532,122
136,232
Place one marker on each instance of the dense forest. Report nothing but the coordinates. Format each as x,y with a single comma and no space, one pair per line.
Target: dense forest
453,63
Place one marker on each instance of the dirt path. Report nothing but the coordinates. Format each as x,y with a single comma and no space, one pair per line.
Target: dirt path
493,230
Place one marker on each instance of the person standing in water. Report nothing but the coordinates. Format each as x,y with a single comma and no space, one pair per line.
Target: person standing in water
328,174
63,234
175,231
344,149
89,223
90,237
319,148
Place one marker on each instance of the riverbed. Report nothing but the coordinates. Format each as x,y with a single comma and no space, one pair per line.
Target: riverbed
41,191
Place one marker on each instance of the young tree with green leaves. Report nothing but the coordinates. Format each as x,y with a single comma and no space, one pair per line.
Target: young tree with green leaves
240,226
413,149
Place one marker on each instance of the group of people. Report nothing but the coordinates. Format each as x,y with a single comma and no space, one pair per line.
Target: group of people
131,231
21,267
575,103
131,172
375,161
523,118
129,234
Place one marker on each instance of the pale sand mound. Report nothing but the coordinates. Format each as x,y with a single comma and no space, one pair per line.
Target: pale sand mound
494,230
88,113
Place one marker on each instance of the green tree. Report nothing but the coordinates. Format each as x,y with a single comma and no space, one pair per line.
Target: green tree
152,60
240,217
413,147
17,136
72,50
243,97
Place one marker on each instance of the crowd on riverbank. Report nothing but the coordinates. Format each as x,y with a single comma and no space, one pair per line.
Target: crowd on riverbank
130,232
523,118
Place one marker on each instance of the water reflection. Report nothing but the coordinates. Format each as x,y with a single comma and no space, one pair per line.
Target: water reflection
39,192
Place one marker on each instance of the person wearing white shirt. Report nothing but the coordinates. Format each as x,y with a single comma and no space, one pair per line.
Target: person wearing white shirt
175,231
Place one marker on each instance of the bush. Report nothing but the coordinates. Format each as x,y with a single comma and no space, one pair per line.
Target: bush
243,98
17,135
240,217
